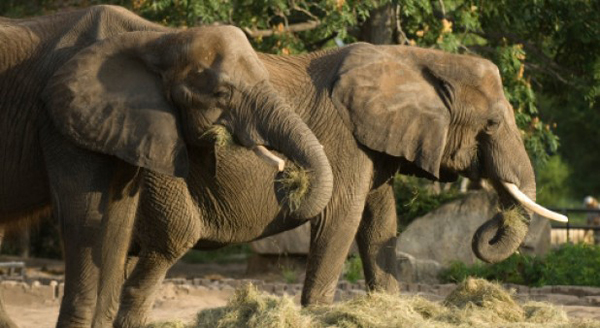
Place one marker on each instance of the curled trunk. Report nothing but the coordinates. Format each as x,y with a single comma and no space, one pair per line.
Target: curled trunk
280,128
500,236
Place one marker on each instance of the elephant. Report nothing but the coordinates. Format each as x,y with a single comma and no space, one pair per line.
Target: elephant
93,100
377,111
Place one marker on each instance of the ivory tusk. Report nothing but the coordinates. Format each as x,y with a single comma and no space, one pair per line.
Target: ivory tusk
531,205
269,157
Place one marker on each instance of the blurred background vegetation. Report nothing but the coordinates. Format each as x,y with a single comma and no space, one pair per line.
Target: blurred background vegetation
548,52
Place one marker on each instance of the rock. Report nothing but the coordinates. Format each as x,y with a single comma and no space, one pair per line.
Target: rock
296,241
412,270
291,242
593,300
444,235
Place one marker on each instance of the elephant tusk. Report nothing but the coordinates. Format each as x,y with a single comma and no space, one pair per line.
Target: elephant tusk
269,157
531,205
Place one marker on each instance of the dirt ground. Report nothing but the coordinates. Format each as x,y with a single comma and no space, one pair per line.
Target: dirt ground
173,302
169,305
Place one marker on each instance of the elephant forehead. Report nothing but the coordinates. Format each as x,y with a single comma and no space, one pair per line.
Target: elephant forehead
227,50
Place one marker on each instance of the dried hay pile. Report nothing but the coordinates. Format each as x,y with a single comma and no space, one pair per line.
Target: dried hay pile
474,303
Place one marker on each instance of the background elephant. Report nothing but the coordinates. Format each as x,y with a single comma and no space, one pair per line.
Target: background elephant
377,110
90,99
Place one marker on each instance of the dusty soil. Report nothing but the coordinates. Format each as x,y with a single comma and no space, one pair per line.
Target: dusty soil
170,304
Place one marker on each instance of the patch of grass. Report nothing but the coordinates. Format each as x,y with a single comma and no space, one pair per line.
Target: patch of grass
415,198
295,184
570,264
353,269
227,254
289,274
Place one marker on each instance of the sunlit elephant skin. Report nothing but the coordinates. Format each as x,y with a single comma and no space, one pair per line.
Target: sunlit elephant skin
377,110
93,100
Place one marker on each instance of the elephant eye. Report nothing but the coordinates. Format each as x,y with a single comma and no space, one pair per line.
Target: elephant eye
492,125
221,93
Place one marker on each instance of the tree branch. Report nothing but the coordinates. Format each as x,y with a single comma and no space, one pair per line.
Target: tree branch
400,35
542,69
550,67
299,27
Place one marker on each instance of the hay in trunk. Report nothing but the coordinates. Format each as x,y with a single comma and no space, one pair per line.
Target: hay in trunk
219,135
295,185
515,221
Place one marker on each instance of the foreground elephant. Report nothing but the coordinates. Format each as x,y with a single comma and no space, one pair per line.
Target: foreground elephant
377,110
90,99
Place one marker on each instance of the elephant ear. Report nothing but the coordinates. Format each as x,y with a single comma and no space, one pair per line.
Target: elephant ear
108,99
392,106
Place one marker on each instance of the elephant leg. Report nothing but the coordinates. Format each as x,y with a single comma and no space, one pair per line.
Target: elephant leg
376,239
168,225
140,287
5,321
117,230
79,182
332,234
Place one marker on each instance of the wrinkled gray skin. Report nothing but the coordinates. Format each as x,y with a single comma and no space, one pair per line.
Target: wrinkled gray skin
376,110
91,101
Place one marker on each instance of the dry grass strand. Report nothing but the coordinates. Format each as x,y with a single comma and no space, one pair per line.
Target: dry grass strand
295,183
474,303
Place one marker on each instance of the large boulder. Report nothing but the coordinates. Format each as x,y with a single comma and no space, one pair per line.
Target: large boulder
294,242
291,242
413,270
444,235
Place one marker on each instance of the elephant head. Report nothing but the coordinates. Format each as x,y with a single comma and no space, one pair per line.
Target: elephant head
444,115
145,97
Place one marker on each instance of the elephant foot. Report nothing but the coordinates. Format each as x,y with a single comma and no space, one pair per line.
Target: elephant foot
131,320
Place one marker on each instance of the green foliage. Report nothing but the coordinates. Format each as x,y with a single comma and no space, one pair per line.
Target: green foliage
517,269
353,269
289,274
332,19
577,264
570,264
415,197
553,182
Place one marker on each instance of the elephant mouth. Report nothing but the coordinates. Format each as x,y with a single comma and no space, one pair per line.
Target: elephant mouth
221,137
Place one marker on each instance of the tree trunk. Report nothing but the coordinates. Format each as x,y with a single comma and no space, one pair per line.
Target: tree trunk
379,27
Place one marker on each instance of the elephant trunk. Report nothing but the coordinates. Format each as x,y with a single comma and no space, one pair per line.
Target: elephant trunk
280,128
508,167
499,237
